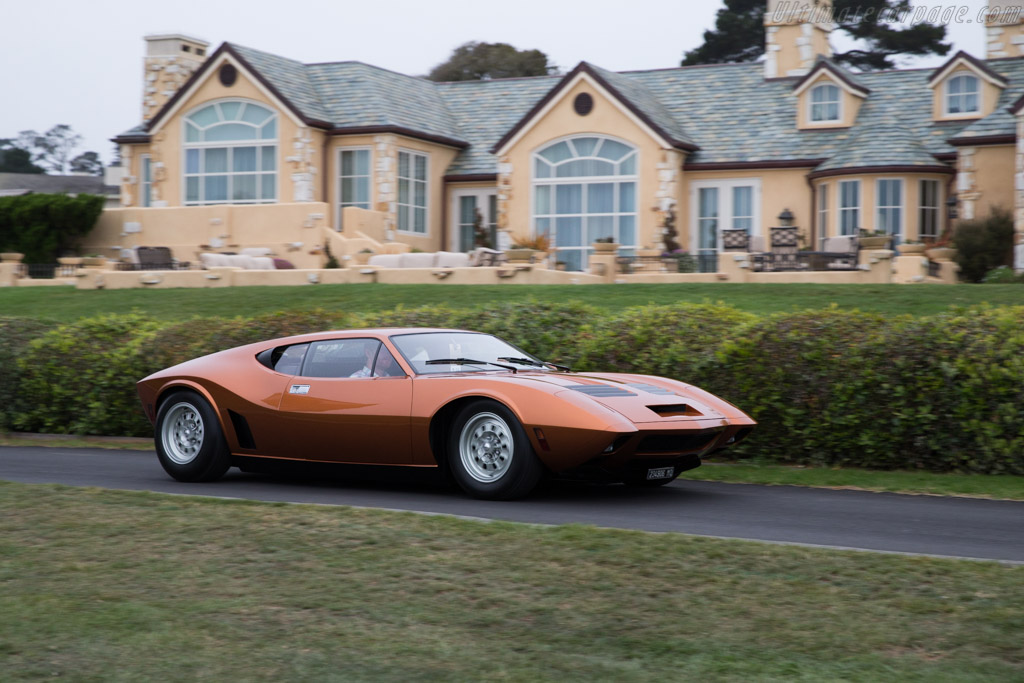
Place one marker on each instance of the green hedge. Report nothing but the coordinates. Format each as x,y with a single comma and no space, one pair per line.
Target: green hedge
40,226
828,387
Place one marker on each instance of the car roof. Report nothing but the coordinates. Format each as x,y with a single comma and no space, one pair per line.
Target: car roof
368,332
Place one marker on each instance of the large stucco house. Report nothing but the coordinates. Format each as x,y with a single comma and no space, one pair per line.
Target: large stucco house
240,146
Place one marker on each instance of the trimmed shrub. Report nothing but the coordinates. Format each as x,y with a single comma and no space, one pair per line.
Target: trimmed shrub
80,378
15,335
676,341
984,243
43,225
1003,275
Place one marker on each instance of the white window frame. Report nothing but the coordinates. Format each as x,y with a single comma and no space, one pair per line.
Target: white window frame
483,195
258,143
901,207
339,205
947,96
845,210
922,207
725,214
811,104
554,181
146,184
822,212
413,153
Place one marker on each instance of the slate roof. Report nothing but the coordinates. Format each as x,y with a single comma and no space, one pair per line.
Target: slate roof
26,183
729,111
883,145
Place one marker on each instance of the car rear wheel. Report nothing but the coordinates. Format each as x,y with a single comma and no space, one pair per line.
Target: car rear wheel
489,453
189,441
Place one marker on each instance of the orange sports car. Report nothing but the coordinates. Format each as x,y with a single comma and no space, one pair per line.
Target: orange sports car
493,416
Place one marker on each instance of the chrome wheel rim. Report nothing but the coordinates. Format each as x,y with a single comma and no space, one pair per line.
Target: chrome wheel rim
486,447
182,433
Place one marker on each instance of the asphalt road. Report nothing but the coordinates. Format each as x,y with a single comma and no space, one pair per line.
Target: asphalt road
930,525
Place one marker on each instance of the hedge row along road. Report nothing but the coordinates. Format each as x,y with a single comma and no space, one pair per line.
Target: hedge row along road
942,392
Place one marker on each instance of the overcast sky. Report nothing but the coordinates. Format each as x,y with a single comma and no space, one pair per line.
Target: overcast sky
80,62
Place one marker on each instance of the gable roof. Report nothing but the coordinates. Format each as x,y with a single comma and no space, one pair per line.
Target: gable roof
845,77
631,94
976,64
724,115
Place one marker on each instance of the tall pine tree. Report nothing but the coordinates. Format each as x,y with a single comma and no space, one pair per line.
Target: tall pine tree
739,34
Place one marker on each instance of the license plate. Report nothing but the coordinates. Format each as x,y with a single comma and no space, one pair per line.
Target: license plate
660,473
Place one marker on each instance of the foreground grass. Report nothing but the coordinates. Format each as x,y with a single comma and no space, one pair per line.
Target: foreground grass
102,585
1004,486
66,304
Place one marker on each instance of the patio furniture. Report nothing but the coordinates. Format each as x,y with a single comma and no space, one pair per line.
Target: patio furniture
785,251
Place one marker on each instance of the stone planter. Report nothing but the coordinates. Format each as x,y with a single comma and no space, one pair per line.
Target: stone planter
521,255
361,258
941,253
605,247
649,253
874,242
94,261
11,257
906,249
70,260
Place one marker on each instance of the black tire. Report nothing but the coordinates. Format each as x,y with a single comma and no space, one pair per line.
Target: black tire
189,440
489,453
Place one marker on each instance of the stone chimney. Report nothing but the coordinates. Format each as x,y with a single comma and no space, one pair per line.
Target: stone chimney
1004,31
796,32
170,59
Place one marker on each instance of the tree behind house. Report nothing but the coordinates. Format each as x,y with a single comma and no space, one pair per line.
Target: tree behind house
475,61
739,34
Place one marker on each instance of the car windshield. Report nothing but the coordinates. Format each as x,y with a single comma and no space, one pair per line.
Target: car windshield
418,349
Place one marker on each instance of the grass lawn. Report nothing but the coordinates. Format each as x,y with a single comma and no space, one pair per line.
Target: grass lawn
65,303
101,585
1005,486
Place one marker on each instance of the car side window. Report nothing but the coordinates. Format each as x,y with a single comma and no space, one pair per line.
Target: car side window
340,358
288,359
386,365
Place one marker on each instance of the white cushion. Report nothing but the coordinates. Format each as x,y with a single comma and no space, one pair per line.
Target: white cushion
385,260
418,260
756,243
451,259
261,263
841,244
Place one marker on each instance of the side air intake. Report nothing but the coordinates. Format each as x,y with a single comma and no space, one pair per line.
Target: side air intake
242,431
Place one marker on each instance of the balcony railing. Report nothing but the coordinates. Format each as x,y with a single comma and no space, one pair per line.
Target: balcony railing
671,263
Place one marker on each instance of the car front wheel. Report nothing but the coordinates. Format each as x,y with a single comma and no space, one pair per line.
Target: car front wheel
189,440
490,455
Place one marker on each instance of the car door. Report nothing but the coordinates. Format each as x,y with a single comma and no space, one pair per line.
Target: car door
350,403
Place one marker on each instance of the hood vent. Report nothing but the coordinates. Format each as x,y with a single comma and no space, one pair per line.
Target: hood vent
676,410
651,389
601,390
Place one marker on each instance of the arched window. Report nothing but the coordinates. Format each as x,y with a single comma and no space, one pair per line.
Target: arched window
230,154
824,103
584,189
962,94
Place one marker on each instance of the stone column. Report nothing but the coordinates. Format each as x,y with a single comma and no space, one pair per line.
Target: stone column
1018,198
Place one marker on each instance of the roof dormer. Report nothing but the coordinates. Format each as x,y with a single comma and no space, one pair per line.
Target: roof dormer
828,97
964,88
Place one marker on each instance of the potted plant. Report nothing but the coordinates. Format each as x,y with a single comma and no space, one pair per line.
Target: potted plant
528,249
94,261
912,247
940,249
362,257
605,245
874,239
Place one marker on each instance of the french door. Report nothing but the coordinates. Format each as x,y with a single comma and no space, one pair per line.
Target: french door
466,205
